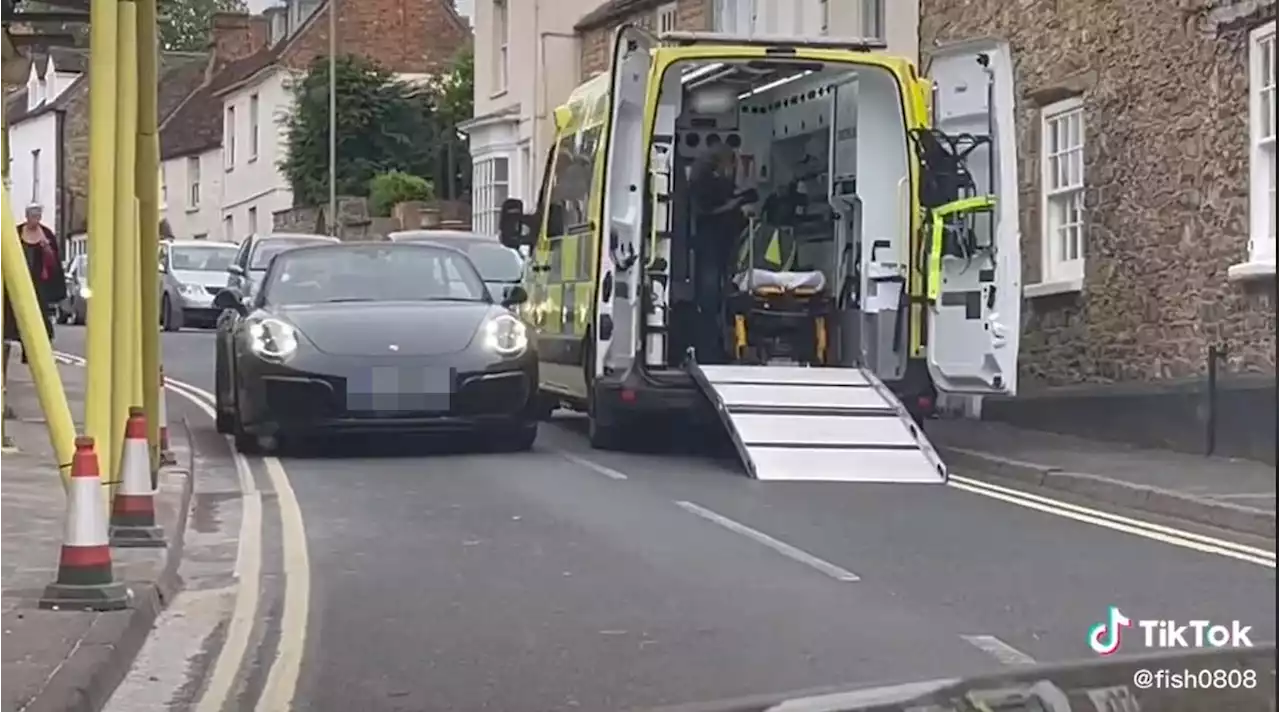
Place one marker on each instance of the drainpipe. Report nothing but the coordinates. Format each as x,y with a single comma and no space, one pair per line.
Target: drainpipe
60,183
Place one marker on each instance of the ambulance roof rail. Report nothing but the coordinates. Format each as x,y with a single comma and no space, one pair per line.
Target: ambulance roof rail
780,42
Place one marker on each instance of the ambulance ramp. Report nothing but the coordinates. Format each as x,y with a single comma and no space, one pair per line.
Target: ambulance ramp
818,424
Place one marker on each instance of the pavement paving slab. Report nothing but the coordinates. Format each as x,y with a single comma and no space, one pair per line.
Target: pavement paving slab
1235,494
59,659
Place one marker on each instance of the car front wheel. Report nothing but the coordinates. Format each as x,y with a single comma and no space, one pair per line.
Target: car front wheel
520,438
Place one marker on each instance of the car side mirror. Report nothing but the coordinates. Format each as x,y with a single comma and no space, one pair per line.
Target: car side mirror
515,296
229,299
513,224
236,270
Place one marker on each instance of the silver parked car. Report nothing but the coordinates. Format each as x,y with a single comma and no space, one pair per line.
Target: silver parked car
75,308
500,267
254,256
192,272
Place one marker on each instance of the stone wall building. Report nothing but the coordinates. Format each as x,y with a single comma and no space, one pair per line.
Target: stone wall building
1147,158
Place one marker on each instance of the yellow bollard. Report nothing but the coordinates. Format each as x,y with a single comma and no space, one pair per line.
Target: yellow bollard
125,239
148,177
102,176
35,343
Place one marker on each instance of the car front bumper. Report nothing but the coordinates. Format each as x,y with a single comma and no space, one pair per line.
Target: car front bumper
320,394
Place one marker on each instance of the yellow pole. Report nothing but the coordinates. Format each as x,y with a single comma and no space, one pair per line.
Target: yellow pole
102,177
35,343
124,341
136,392
149,220
4,359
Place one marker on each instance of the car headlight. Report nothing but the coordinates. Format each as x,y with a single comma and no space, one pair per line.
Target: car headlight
273,339
505,335
191,290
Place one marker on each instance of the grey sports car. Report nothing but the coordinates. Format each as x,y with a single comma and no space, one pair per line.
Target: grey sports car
374,337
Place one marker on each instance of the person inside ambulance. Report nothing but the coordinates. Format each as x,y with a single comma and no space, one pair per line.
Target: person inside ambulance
718,224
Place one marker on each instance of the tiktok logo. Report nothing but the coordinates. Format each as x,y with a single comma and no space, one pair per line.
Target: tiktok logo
1104,637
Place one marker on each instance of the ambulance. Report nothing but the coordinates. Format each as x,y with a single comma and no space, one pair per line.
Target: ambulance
878,264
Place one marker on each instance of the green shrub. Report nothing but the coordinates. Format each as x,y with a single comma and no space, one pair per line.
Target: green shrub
387,189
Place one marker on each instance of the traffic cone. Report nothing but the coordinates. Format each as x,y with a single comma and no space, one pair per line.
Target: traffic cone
133,511
166,454
85,579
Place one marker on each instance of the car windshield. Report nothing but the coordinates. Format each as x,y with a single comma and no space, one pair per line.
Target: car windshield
272,246
201,259
374,274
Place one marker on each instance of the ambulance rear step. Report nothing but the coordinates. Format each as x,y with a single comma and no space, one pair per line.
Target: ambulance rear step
818,424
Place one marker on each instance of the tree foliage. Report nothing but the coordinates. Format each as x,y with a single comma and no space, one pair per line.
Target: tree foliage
185,24
456,90
383,125
388,189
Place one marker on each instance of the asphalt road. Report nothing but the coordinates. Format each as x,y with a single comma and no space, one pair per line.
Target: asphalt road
570,579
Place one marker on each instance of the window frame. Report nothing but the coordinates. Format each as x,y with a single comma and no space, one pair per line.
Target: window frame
255,107
253,218
229,141
501,46
1061,274
35,176
486,207
667,17
229,227
875,19
193,184
1262,156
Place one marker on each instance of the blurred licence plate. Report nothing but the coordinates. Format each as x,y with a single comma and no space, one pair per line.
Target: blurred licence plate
389,389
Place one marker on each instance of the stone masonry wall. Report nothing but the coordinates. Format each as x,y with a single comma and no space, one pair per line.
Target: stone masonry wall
597,43
1166,172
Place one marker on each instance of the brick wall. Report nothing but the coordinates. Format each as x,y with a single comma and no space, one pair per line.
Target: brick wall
597,42
1166,175
234,35
411,36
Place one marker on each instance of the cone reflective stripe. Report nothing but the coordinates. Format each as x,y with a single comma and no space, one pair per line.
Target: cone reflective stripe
166,455
133,511
163,415
85,578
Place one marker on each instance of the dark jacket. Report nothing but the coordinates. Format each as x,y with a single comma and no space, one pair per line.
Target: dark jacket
48,276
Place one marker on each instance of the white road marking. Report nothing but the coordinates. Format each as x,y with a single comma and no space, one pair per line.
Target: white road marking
1116,518
282,680
781,547
1241,495
282,677
593,466
1186,540
239,631
998,649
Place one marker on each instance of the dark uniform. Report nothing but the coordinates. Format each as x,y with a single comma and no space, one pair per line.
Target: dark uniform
719,223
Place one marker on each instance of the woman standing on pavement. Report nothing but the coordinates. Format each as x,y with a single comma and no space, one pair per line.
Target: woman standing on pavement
44,262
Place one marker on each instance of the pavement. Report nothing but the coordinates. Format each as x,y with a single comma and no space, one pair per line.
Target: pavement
409,576
1238,495
58,660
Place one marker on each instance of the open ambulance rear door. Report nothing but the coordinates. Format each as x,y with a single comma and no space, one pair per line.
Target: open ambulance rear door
975,293
618,279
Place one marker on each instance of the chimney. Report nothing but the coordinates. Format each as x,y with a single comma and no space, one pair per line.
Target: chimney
236,35
277,19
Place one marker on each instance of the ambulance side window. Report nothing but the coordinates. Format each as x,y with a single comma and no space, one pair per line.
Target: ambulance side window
554,218
572,174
